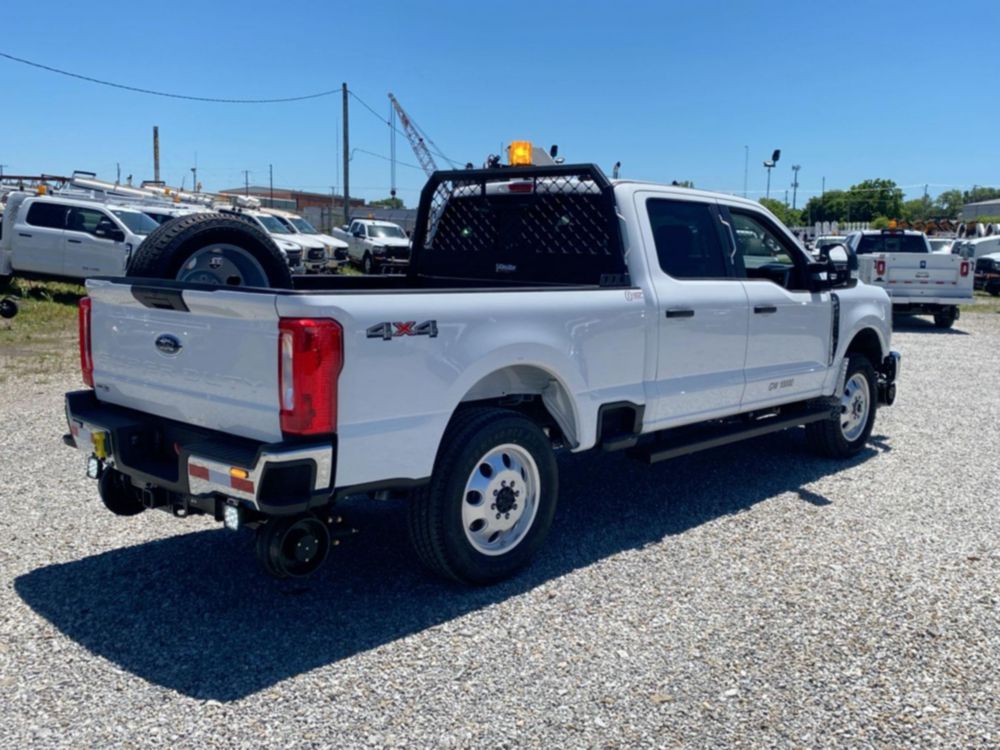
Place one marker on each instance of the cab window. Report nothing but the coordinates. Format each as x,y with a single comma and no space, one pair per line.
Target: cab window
88,220
687,239
763,252
50,215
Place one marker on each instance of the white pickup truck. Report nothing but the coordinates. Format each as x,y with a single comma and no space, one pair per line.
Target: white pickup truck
546,309
919,281
64,237
376,246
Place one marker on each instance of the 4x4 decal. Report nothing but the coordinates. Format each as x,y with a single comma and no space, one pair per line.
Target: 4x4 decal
389,330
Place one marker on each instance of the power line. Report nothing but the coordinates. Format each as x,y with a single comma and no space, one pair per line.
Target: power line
385,158
166,94
388,124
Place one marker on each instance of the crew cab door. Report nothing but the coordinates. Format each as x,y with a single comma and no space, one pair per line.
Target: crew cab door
37,244
94,244
789,345
702,311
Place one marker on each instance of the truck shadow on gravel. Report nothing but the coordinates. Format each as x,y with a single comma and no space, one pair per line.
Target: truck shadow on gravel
913,324
193,614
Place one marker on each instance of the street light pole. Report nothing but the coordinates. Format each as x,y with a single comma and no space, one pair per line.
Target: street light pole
769,165
795,183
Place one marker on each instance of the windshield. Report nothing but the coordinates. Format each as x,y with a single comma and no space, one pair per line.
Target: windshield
272,225
940,244
892,243
382,230
137,223
304,226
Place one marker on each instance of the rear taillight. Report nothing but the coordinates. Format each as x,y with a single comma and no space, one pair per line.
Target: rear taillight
963,268
880,267
310,358
86,356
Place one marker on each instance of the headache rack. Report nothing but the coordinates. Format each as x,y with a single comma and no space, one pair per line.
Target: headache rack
520,226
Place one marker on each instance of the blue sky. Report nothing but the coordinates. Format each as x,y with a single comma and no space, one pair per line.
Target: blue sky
674,90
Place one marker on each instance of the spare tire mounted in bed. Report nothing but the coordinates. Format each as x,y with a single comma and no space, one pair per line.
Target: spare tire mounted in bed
211,248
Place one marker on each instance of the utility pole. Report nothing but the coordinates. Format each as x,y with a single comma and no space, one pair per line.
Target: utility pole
824,187
118,172
1,169
795,184
156,153
786,197
746,168
270,177
246,182
194,179
333,206
347,155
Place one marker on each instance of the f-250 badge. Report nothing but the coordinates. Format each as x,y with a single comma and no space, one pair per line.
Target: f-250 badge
389,330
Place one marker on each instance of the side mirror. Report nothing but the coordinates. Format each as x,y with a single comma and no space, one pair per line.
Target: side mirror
110,233
344,227
839,256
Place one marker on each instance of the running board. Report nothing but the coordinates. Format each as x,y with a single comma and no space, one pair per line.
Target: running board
699,439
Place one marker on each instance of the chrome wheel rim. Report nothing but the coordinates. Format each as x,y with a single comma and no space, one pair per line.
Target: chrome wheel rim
500,499
223,265
854,407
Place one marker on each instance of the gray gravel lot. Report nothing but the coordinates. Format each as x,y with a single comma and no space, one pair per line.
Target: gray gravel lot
754,596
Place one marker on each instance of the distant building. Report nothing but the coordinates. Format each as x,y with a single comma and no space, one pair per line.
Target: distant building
973,211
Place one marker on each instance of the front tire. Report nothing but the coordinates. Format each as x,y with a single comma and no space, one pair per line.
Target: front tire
367,264
491,498
846,434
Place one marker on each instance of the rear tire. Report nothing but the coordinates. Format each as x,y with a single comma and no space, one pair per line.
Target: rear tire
946,317
118,494
491,498
8,308
845,435
213,249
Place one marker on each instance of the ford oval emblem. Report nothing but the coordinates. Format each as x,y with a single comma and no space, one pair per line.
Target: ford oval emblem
168,344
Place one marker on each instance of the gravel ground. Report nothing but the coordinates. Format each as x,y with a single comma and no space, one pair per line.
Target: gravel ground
747,597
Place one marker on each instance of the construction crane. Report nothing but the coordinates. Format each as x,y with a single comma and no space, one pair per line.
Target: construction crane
418,141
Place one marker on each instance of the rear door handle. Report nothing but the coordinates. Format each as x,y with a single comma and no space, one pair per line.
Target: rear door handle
23,234
765,309
680,312
76,242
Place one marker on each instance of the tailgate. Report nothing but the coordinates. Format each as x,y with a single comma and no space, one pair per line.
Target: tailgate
207,358
925,275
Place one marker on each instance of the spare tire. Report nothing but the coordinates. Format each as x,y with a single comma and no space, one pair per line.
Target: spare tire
211,248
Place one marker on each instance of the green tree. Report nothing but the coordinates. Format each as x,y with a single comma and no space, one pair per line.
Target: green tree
872,198
978,194
388,203
949,203
831,206
788,216
919,209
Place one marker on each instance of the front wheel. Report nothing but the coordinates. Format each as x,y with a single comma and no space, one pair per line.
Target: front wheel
946,317
845,434
367,264
490,501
